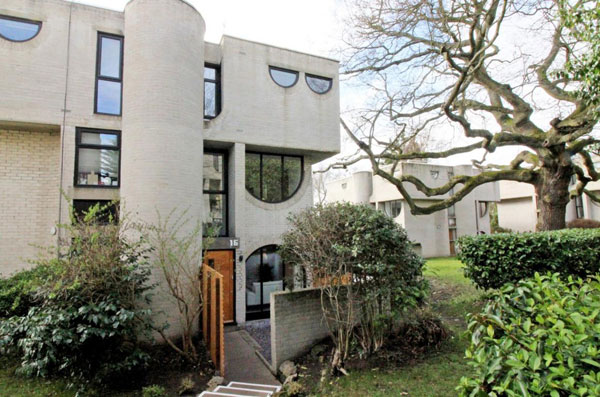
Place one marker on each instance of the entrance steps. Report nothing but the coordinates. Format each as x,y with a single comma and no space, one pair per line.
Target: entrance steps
242,389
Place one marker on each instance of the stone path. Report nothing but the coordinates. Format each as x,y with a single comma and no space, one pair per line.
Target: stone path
242,364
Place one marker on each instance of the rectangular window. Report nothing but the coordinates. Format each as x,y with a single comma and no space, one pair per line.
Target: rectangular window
214,186
97,157
579,207
109,74
107,212
212,91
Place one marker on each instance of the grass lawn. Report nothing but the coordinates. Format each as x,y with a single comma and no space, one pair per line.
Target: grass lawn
438,374
16,386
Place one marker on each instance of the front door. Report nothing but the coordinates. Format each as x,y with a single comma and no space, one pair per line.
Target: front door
223,262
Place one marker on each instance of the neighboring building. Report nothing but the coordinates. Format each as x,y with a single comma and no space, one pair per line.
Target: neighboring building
518,206
434,234
136,106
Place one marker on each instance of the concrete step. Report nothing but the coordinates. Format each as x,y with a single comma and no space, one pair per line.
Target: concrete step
242,389
255,386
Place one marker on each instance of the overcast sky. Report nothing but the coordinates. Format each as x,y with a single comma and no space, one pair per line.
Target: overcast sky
311,26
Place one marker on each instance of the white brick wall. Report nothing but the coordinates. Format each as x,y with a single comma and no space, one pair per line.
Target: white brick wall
29,194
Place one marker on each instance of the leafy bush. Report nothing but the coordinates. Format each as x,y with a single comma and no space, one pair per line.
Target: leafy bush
539,337
87,321
154,391
583,224
18,292
494,260
362,259
421,332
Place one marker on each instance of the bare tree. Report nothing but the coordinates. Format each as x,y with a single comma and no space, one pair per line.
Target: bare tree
432,61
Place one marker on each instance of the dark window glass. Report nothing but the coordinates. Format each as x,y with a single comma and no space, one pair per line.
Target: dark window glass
97,158
109,74
579,207
253,173
319,84
292,175
212,91
283,77
265,273
17,29
214,185
108,211
392,208
271,177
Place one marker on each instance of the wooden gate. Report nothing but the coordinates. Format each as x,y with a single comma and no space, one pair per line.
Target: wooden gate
212,316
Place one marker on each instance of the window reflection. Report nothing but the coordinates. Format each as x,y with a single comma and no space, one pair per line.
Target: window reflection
17,29
273,178
283,77
319,84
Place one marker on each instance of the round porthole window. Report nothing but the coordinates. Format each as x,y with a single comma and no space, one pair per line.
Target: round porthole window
18,29
283,77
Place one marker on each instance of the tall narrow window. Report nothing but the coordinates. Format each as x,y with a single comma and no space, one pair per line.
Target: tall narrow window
579,207
109,74
214,185
212,91
97,157
452,233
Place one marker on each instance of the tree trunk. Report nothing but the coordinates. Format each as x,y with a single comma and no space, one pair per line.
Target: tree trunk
553,196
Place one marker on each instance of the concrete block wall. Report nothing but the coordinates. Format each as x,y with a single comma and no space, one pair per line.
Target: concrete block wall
29,194
297,324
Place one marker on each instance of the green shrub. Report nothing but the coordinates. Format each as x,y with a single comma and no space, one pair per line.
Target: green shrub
87,321
494,260
154,391
539,337
18,292
342,243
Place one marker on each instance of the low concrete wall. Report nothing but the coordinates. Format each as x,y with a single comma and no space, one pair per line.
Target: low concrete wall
297,323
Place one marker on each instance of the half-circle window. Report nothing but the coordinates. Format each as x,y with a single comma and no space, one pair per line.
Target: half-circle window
318,84
18,29
273,178
283,77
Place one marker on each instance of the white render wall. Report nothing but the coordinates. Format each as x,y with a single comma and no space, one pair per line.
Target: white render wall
430,232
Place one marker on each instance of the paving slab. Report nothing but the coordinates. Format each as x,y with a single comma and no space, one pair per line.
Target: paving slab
242,364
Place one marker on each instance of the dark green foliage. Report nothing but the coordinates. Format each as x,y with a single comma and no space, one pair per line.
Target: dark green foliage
87,320
494,260
540,337
18,292
583,224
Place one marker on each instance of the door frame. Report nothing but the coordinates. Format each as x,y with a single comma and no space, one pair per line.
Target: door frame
233,285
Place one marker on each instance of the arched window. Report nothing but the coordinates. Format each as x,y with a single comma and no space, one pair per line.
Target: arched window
273,178
284,77
318,84
392,208
265,272
18,29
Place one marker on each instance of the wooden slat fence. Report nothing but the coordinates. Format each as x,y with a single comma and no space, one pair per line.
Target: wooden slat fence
212,316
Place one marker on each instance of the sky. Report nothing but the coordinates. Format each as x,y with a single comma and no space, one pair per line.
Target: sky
311,26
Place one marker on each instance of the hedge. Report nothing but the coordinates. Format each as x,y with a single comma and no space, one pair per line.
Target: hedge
494,260
539,337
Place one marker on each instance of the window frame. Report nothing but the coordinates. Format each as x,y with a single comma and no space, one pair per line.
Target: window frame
217,83
314,76
108,78
25,20
78,145
260,179
579,209
297,73
224,191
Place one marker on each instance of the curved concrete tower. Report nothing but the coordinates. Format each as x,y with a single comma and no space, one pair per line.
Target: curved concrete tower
163,94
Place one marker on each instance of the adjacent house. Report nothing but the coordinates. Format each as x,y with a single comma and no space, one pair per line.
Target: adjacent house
435,234
518,206
135,106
